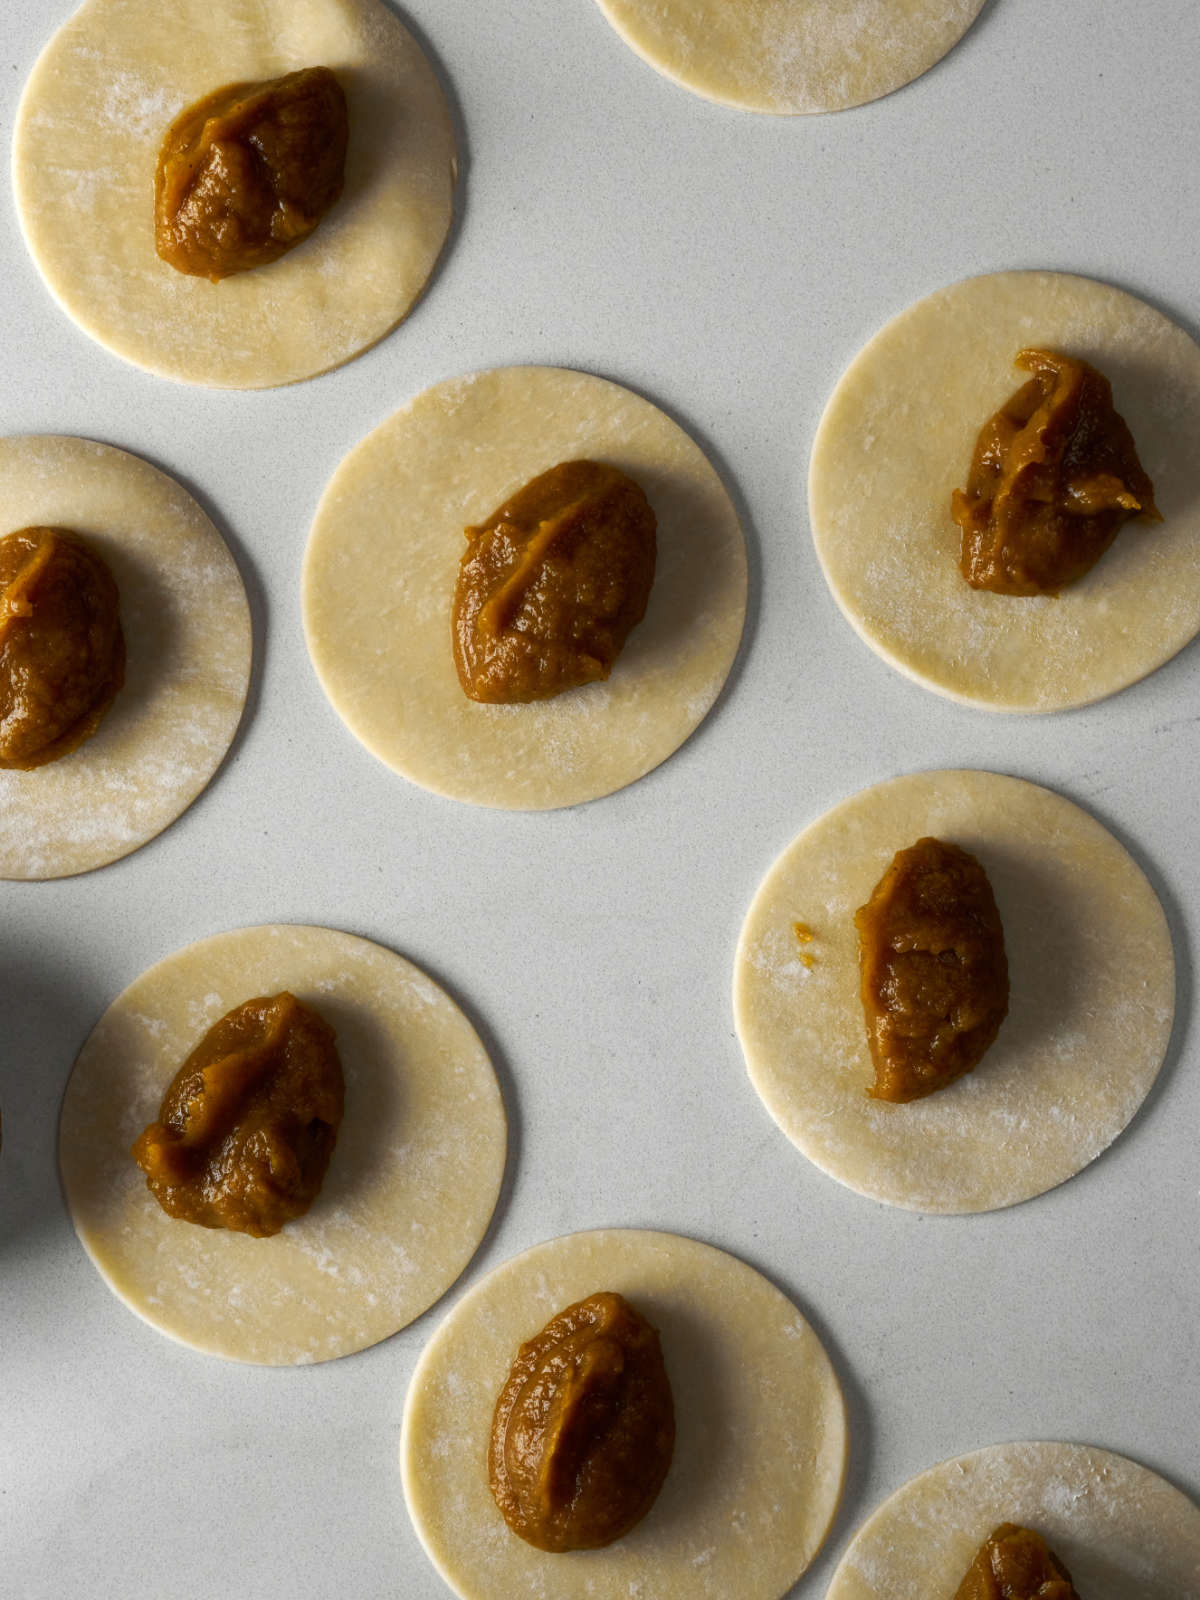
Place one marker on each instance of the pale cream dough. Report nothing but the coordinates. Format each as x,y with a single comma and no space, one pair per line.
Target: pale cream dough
791,56
188,649
897,437
1092,979
88,133
382,562
1120,1529
761,1435
410,1189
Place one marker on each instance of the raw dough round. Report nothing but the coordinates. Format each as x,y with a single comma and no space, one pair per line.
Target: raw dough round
88,133
382,562
188,648
760,1449
897,438
409,1192
791,55
1119,1528
1092,996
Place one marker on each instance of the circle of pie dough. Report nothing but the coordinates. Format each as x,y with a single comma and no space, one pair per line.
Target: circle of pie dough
897,438
188,648
790,56
1118,1528
382,563
1092,980
410,1189
760,1448
88,132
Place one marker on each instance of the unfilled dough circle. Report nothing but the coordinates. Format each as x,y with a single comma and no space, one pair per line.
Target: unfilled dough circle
410,1189
897,438
760,1448
1092,979
1119,1528
88,133
791,56
382,562
188,649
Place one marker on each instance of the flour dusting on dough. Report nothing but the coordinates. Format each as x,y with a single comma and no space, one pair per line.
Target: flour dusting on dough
753,1486
391,525
901,426
1092,1002
88,131
409,1191
1120,1528
792,56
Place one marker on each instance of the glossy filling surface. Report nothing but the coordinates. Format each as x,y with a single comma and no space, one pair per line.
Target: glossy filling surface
249,1121
1054,477
552,584
1016,1563
584,1428
895,441
246,174
934,971
62,651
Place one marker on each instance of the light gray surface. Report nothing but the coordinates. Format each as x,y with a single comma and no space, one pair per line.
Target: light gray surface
728,267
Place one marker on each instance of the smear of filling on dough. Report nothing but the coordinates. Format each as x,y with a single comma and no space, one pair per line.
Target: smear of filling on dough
249,1122
246,174
1054,477
1015,1563
584,1428
934,971
62,651
552,584
804,937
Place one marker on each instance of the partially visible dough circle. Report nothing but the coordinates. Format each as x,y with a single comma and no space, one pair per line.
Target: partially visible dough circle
382,562
1120,1529
409,1192
188,649
1093,995
790,56
897,437
759,1454
88,132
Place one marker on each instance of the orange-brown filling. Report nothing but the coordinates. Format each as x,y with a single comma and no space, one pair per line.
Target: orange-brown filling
1015,1563
584,1428
1054,477
934,971
552,584
245,174
62,651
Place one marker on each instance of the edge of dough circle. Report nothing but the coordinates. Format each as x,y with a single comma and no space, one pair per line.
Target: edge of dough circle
88,130
1119,1528
382,562
1091,1005
896,439
411,1185
760,1448
188,644
791,57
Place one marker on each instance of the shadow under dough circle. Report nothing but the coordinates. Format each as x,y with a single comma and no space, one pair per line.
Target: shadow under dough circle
411,1185
1092,980
187,668
791,56
760,1448
897,438
1119,1528
382,563
89,127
